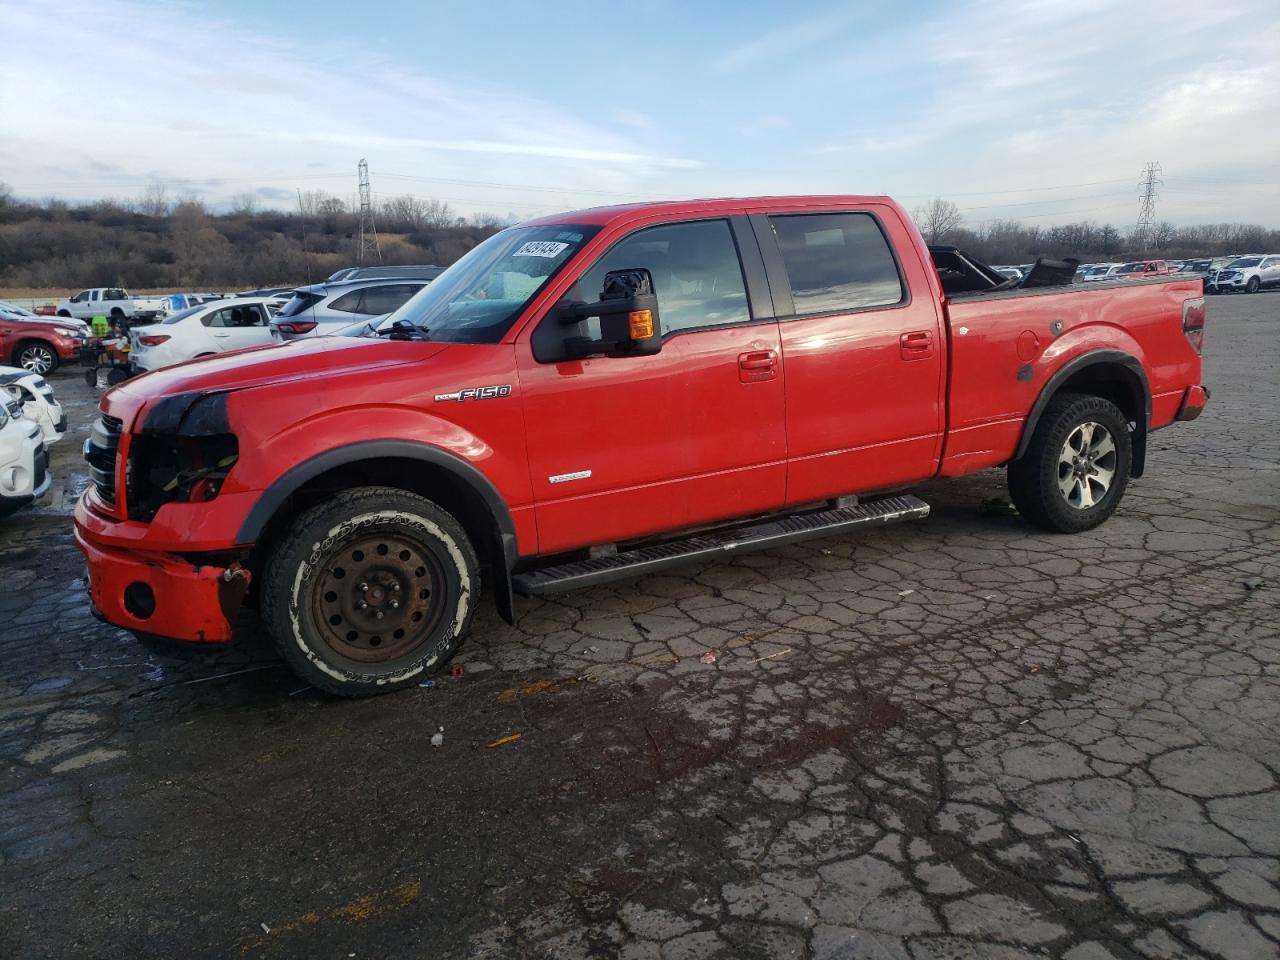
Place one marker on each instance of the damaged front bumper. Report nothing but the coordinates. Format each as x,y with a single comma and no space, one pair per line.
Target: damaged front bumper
163,594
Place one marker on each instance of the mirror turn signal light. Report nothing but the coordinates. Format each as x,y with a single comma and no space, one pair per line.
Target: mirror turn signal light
641,322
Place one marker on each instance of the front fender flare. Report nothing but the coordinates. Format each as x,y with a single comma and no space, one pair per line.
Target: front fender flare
274,497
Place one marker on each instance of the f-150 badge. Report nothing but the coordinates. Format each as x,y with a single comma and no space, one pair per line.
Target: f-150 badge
477,393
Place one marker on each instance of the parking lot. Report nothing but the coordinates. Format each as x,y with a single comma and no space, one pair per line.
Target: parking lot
958,738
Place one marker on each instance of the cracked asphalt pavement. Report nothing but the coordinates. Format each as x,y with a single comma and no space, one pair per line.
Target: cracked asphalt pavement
960,738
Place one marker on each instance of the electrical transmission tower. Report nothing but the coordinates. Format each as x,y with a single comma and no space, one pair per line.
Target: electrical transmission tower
368,232
1148,188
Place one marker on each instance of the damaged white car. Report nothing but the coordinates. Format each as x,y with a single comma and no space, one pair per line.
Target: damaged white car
35,395
24,461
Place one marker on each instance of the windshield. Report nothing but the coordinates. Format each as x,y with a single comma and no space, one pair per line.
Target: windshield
1245,262
478,298
180,315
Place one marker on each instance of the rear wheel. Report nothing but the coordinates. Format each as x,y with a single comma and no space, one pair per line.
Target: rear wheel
37,357
370,590
1076,468
1253,285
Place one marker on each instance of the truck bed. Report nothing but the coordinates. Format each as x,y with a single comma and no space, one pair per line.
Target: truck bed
1009,341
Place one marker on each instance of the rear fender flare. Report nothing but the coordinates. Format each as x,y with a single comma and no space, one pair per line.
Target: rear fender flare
1137,383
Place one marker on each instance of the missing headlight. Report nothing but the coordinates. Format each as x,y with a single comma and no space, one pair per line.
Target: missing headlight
177,470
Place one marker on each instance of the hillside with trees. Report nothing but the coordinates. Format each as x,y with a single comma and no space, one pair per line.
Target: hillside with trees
153,242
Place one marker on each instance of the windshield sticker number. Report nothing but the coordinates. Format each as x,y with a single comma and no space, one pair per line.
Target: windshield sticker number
541,248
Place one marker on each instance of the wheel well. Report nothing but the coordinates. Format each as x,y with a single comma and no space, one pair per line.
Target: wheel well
117,312
1119,383
436,483
64,313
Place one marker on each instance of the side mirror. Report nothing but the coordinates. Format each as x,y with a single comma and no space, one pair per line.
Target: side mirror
629,323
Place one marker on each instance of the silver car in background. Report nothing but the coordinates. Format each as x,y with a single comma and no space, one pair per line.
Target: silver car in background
324,308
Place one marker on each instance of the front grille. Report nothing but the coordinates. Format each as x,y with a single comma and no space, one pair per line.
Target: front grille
100,451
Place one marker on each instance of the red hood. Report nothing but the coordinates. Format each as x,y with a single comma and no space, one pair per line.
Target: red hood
316,357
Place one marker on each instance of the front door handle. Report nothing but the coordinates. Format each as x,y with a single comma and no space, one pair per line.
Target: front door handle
757,366
916,345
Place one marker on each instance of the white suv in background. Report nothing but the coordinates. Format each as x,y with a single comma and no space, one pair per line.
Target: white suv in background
36,400
1250,274
24,462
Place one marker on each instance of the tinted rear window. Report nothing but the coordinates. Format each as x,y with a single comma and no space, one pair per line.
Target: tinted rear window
300,302
837,261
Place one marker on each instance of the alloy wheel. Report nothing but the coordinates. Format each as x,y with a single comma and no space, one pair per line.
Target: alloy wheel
36,359
1087,465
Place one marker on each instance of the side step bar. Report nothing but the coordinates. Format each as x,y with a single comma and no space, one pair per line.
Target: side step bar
770,533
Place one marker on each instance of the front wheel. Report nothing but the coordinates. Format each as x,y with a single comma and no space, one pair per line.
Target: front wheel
1253,285
369,591
37,357
1077,466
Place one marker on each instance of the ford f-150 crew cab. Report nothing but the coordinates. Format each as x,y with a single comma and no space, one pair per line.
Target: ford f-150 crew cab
607,393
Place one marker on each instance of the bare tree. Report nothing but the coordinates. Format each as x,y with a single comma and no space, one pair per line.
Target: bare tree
6,194
937,218
154,201
244,204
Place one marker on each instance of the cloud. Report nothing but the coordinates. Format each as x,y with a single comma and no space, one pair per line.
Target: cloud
251,110
1053,94
774,46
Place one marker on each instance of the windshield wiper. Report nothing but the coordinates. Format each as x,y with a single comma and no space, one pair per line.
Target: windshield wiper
404,330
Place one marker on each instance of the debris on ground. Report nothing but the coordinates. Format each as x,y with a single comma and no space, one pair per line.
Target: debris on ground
265,928
1253,583
456,669
509,738
999,507
428,683
780,653
437,738
709,657
905,593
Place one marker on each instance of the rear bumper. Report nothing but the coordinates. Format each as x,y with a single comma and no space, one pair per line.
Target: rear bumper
1193,403
164,594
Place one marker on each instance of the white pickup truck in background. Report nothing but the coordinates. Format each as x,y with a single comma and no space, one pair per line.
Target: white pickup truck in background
110,302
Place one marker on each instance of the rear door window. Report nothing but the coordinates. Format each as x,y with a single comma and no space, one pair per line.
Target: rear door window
393,296
349,302
837,262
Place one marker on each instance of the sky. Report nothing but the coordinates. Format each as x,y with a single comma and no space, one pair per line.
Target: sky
1042,111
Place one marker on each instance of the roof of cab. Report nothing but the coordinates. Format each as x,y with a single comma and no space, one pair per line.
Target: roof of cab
720,205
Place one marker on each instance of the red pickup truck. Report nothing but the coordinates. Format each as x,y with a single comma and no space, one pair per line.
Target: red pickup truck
608,393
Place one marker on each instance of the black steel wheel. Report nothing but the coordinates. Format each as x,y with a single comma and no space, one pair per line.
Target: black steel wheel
369,590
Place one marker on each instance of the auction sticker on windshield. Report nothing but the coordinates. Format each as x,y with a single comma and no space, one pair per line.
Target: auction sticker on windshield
541,248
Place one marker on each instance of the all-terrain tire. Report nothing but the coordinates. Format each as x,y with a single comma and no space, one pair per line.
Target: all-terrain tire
1058,486
370,552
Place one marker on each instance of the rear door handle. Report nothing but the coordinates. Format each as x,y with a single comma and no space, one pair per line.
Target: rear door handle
916,344
758,365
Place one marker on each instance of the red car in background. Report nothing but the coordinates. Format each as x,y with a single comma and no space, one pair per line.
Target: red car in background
1142,268
38,345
